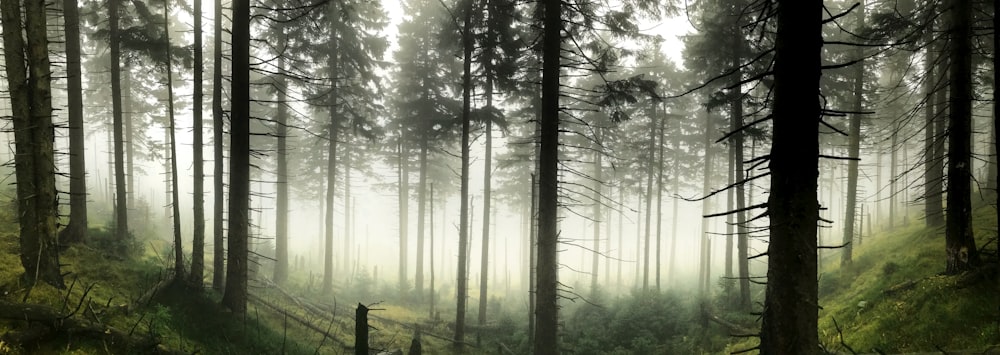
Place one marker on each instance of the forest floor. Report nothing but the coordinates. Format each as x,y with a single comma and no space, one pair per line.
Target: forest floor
894,299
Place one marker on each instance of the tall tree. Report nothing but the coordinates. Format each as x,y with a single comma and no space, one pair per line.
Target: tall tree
197,275
546,335
29,83
121,205
281,172
76,230
854,145
960,244
218,262
174,193
463,234
235,295
791,313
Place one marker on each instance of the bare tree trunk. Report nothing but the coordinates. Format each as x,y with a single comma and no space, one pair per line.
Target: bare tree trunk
418,279
463,234
431,250
197,276
736,117
121,206
235,295
29,83
933,213
596,252
404,211
348,204
218,262
706,247
281,174
174,194
532,260
659,197
76,230
960,243
649,197
854,147
487,187
671,272
791,313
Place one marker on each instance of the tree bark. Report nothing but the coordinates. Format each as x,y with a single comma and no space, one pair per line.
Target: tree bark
596,252
960,245
791,311
706,246
197,275
659,196
29,83
736,117
235,295
546,337
348,205
76,230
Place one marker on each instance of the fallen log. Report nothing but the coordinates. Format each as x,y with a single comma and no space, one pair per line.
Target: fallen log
45,322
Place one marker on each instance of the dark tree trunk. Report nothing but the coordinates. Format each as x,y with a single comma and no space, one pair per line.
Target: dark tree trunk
431,250
854,147
28,79
197,276
361,330
121,206
127,118
960,243
76,230
546,337
463,233
533,260
996,110
281,174
671,272
174,194
791,309
235,295
218,255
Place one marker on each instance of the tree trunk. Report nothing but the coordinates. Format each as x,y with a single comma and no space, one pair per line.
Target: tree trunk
960,245
404,210
532,261
174,194
893,178
596,252
649,197
235,295
621,234
487,192
706,246
127,117
463,230
218,255
348,212
546,338
121,206
76,230
659,197
996,110
854,147
28,78
933,213
671,272
791,310
418,278
333,66
197,276
281,174
736,117
431,250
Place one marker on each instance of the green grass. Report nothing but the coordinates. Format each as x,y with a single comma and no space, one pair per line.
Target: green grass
934,313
